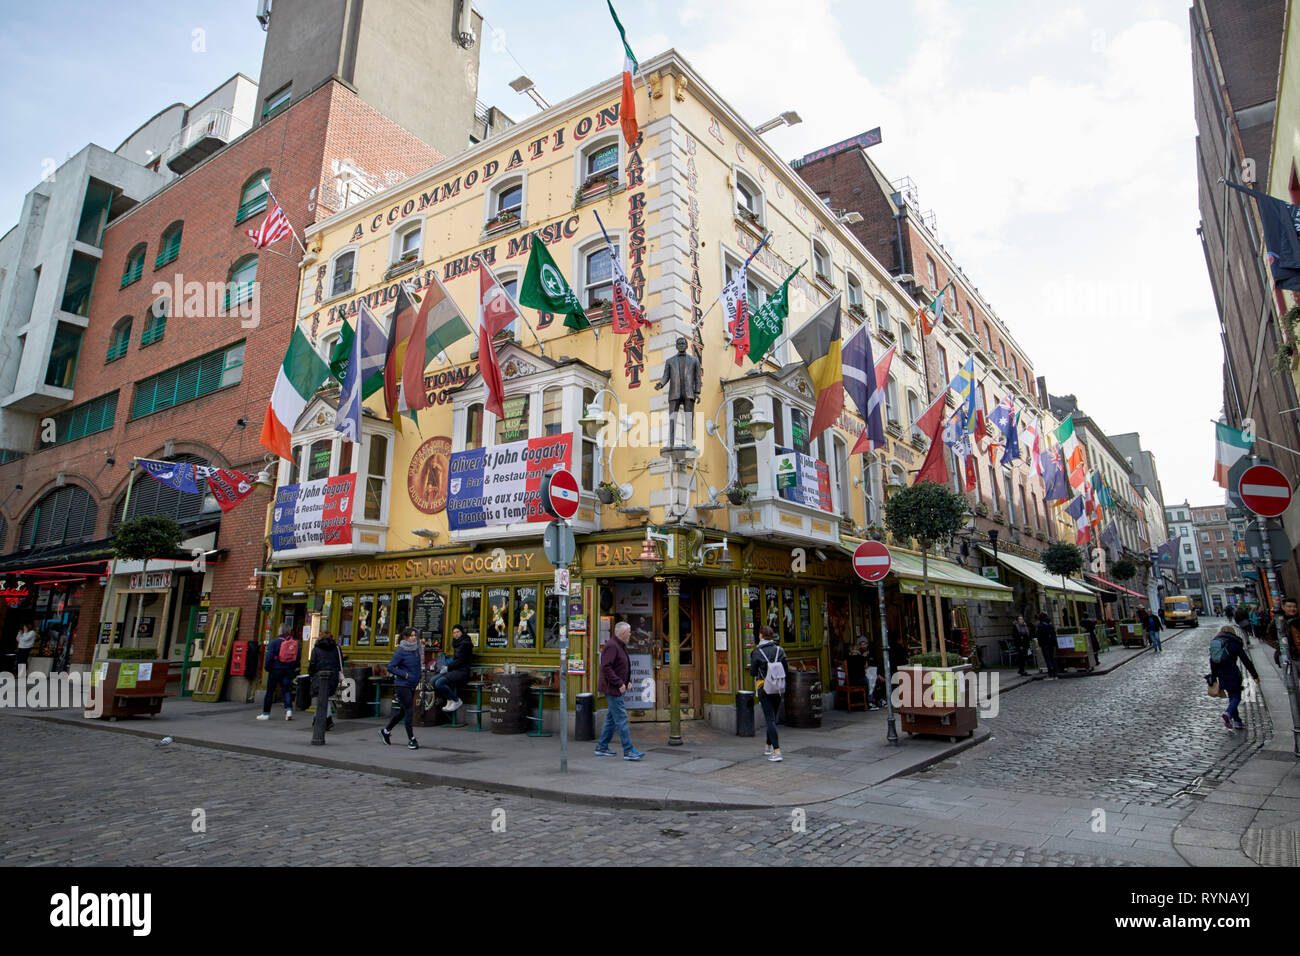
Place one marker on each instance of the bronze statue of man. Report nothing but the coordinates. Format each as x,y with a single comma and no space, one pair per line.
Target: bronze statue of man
683,376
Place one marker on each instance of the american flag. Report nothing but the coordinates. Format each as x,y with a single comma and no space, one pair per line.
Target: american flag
274,228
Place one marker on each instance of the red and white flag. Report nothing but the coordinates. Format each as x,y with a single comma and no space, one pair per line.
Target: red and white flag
227,485
496,312
274,228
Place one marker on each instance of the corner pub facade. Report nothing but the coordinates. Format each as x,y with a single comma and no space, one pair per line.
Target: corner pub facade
684,206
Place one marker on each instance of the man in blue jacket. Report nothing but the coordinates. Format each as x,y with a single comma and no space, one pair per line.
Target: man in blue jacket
406,666
281,665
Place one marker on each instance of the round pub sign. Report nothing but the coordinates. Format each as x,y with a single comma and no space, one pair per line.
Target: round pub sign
426,479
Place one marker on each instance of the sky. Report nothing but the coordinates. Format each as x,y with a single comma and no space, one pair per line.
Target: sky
1054,142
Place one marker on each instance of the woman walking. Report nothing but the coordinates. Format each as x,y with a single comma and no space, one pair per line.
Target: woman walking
406,666
768,665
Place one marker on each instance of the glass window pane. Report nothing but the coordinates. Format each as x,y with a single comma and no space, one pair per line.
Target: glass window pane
525,617
805,616
474,427
602,160
378,455
471,604
511,198
513,425
318,459
799,430
402,616
347,607
772,609
498,614
411,241
374,498
588,464
551,618
552,412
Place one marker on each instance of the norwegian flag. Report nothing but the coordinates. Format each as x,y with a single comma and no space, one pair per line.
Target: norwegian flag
274,228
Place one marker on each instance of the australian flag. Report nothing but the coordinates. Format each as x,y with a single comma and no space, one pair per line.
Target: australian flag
1004,417
174,474
1281,236
1053,477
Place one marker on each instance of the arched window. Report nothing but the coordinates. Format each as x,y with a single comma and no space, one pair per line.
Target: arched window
63,516
510,282
342,272
742,439
474,427
598,168
134,267
150,496
598,275
506,203
914,412
891,401
169,246
120,340
855,295
882,319
821,261
749,200
155,322
252,196
243,274
408,243
905,338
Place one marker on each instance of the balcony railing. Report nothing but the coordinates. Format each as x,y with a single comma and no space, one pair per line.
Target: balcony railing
200,139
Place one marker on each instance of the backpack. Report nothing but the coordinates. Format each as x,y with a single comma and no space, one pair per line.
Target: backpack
288,653
1219,652
774,681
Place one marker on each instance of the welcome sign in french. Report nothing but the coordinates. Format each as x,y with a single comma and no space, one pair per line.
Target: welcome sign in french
502,484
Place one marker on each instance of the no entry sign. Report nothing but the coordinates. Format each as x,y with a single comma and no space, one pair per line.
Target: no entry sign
1265,490
871,561
560,494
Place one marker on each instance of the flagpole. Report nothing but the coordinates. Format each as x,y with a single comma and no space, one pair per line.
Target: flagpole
293,232
519,309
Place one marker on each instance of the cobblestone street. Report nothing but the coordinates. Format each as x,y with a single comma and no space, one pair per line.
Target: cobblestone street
1127,742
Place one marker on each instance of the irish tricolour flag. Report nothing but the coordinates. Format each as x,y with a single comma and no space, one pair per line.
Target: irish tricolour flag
626,111
301,373
1230,446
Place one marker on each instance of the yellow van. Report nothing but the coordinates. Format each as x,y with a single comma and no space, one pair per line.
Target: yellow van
1178,610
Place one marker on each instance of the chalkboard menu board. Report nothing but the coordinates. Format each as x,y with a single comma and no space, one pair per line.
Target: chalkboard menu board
427,615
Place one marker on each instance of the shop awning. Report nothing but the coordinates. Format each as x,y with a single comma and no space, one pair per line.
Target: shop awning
952,581
1039,575
1111,585
87,558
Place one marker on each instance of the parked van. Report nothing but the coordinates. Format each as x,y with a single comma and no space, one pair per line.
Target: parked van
1178,611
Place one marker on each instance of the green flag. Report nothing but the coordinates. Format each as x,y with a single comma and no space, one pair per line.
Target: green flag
546,290
768,322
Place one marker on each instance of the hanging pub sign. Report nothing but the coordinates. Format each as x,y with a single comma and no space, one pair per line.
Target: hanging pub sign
502,484
313,513
804,479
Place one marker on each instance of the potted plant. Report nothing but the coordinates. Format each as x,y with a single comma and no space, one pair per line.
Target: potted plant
981,509
859,311
598,307
875,532
1027,528
739,494
823,279
504,218
609,493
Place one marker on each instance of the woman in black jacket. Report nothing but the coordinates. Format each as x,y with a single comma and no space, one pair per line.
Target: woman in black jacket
324,670
447,684
1047,643
1226,649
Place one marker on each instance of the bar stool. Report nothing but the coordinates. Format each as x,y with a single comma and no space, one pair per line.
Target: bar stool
478,710
541,690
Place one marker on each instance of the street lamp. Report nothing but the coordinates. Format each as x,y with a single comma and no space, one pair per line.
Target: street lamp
524,85
788,118
724,563
649,558
594,419
758,423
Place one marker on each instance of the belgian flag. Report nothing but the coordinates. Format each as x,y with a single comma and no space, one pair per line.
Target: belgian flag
818,343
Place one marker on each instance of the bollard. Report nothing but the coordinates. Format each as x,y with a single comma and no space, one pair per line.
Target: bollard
744,713
584,717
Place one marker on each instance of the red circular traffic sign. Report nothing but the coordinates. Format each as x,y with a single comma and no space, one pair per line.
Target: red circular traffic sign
560,494
871,561
1264,490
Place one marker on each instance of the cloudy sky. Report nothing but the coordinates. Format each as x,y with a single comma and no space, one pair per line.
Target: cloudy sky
1054,143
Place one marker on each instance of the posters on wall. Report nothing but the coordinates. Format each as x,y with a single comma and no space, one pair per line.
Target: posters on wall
313,513
804,479
502,484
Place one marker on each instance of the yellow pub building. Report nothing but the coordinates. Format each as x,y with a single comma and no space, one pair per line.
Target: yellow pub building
694,549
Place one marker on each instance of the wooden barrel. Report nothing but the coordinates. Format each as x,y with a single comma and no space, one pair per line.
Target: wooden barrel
508,699
803,699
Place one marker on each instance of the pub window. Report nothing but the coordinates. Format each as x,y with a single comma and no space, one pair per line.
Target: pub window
842,477
511,284
799,431
552,412
598,276
891,400
376,477
471,606
914,412
525,618
497,619
905,338
789,630
551,615
749,200
513,424
589,455
742,410
822,263
474,426
408,243
343,272
318,459
506,203
882,318
855,294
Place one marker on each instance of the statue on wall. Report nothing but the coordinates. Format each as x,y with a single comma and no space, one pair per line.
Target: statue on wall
683,376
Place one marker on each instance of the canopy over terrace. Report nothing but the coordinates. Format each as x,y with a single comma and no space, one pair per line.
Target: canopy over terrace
1051,584
952,580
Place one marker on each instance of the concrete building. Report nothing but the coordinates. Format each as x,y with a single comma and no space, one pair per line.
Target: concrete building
414,61
1237,49
1190,579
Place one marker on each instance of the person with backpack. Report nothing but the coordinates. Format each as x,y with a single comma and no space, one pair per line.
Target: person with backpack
406,666
1047,643
615,681
1225,650
1154,627
281,666
768,665
324,670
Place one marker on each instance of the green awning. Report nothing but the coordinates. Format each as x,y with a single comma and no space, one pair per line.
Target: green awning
953,581
1035,572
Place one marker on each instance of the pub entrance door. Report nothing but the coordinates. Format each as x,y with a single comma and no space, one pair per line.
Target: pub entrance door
643,604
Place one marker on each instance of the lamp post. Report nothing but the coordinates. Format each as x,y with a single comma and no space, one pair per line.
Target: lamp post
593,419
758,425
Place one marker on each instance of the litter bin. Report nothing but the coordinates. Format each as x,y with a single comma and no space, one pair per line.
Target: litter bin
744,713
584,717
302,692
509,702
351,709
803,699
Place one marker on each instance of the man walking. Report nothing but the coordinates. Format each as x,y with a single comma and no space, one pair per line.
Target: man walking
281,665
1047,643
615,673
1291,624
1154,627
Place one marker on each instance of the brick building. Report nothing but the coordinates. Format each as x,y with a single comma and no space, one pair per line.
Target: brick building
1218,556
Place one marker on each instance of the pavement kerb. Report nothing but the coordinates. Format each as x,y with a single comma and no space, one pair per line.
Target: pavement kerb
434,779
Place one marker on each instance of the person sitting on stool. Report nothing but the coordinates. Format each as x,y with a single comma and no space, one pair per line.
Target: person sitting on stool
447,683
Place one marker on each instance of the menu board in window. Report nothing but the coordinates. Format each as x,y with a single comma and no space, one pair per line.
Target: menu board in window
428,613
498,600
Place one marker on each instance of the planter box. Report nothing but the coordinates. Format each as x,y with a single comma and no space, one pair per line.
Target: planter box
1078,654
129,694
934,702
